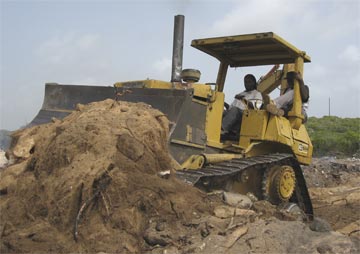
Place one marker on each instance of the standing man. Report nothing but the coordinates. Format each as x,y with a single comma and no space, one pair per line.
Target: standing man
231,122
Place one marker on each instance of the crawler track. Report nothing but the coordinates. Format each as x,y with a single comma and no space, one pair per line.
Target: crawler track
213,174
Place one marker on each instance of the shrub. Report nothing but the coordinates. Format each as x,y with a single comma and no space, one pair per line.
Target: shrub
333,135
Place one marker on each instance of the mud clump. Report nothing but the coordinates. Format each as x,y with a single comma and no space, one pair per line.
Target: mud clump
89,183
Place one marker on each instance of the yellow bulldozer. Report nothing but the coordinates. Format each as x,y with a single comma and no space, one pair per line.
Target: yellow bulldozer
264,157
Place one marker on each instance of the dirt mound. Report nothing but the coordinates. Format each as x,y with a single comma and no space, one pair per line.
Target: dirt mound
89,183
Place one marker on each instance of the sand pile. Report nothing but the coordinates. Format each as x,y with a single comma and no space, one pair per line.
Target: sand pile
89,183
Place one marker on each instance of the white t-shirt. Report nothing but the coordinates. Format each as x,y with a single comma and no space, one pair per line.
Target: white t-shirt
250,96
287,98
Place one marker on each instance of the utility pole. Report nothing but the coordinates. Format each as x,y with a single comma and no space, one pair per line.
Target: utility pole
329,106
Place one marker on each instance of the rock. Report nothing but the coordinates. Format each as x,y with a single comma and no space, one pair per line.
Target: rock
237,200
355,237
353,197
124,109
292,211
133,149
227,212
171,250
265,208
201,247
350,228
3,160
80,107
160,226
323,249
320,225
55,120
23,147
204,230
252,197
166,250
153,239
164,174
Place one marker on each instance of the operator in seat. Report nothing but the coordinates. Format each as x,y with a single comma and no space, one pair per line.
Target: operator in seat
232,118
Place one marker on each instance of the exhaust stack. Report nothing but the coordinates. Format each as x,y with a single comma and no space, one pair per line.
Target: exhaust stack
178,44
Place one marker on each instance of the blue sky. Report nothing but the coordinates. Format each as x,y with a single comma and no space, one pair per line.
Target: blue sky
102,42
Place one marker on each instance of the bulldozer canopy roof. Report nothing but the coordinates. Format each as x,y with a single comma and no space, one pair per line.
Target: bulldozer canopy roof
250,49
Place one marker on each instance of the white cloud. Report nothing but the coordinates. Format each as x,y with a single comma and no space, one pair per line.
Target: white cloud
163,65
62,49
351,54
85,81
335,20
257,16
316,71
313,20
87,41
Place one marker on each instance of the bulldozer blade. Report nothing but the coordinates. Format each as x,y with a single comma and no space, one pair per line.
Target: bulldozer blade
60,100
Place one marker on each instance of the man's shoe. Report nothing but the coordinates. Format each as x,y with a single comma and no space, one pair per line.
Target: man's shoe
272,109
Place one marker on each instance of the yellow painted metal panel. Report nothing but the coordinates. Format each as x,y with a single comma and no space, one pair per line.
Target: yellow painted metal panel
279,130
188,133
301,134
201,90
304,160
303,146
148,83
284,127
266,147
214,118
254,124
216,144
193,162
250,49
268,85
274,132
219,157
295,115
180,142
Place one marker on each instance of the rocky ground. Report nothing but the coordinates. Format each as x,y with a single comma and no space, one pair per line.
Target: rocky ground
90,183
334,186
